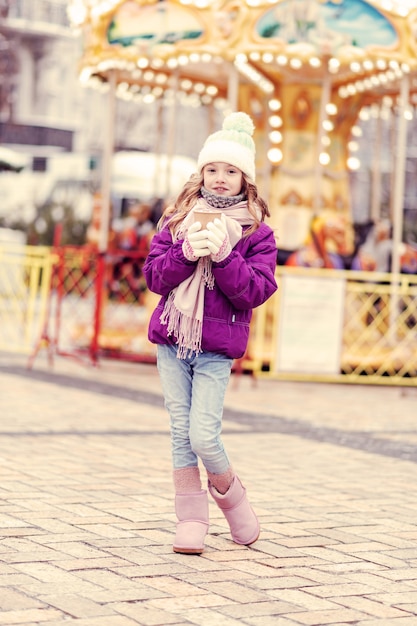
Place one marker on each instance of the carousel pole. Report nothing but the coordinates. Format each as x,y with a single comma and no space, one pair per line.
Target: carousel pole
397,205
172,121
399,177
159,109
233,87
106,172
103,242
324,101
376,173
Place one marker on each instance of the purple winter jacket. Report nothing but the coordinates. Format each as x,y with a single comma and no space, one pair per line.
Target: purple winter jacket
243,281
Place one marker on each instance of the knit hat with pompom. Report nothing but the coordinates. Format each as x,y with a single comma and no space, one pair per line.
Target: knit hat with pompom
233,144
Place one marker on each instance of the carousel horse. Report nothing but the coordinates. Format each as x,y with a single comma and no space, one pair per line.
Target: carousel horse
331,244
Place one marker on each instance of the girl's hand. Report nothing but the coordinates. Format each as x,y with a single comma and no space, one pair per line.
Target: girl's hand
218,240
195,244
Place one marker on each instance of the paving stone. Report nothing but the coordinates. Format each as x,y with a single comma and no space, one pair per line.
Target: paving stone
87,518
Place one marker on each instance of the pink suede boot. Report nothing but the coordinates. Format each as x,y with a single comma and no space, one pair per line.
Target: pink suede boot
244,525
192,525
191,507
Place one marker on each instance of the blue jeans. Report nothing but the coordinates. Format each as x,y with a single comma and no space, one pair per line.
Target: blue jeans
194,390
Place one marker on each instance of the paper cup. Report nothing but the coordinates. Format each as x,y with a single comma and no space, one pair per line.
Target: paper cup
204,217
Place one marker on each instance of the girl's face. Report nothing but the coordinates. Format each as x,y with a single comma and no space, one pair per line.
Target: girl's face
222,179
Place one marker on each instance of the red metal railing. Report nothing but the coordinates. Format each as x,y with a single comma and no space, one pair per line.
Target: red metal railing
97,306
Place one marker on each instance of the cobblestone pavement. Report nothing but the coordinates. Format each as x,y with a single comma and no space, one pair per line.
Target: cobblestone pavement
86,503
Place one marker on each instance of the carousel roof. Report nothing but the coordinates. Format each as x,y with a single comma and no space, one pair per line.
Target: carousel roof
195,46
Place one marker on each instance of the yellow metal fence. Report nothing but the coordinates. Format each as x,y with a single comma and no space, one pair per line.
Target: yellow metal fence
376,315
322,325
25,279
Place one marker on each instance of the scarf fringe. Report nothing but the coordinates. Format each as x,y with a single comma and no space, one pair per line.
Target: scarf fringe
186,329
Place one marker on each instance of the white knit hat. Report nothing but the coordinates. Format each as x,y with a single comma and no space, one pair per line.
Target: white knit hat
233,144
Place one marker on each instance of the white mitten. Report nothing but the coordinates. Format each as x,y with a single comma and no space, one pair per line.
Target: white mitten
218,239
195,244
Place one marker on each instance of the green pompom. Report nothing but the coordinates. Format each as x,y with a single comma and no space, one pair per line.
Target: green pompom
240,122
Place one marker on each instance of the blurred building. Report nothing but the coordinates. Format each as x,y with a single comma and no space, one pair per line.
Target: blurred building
57,126
39,97
45,110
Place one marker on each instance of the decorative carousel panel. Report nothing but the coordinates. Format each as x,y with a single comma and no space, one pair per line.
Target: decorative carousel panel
154,24
328,24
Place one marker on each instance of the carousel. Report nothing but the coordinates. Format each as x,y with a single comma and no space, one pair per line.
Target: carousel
307,71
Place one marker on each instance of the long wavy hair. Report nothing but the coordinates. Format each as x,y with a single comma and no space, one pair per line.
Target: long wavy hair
175,213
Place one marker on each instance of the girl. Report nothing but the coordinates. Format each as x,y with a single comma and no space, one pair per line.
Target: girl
210,278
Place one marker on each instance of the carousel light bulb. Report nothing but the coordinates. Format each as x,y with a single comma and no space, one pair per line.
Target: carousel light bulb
364,114
142,62
353,163
328,126
355,67
267,57
282,59
356,131
212,90
199,87
148,76
267,86
315,62
275,121
343,92
77,12
333,65
157,63
186,84
408,114
183,59
296,63
274,155
325,141
368,65
221,104
353,146
172,63
206,57
331,108
324,158
194,57
275,136
381,64
274,104
254,56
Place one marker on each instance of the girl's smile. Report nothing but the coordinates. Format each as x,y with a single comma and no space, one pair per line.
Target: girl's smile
222,179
